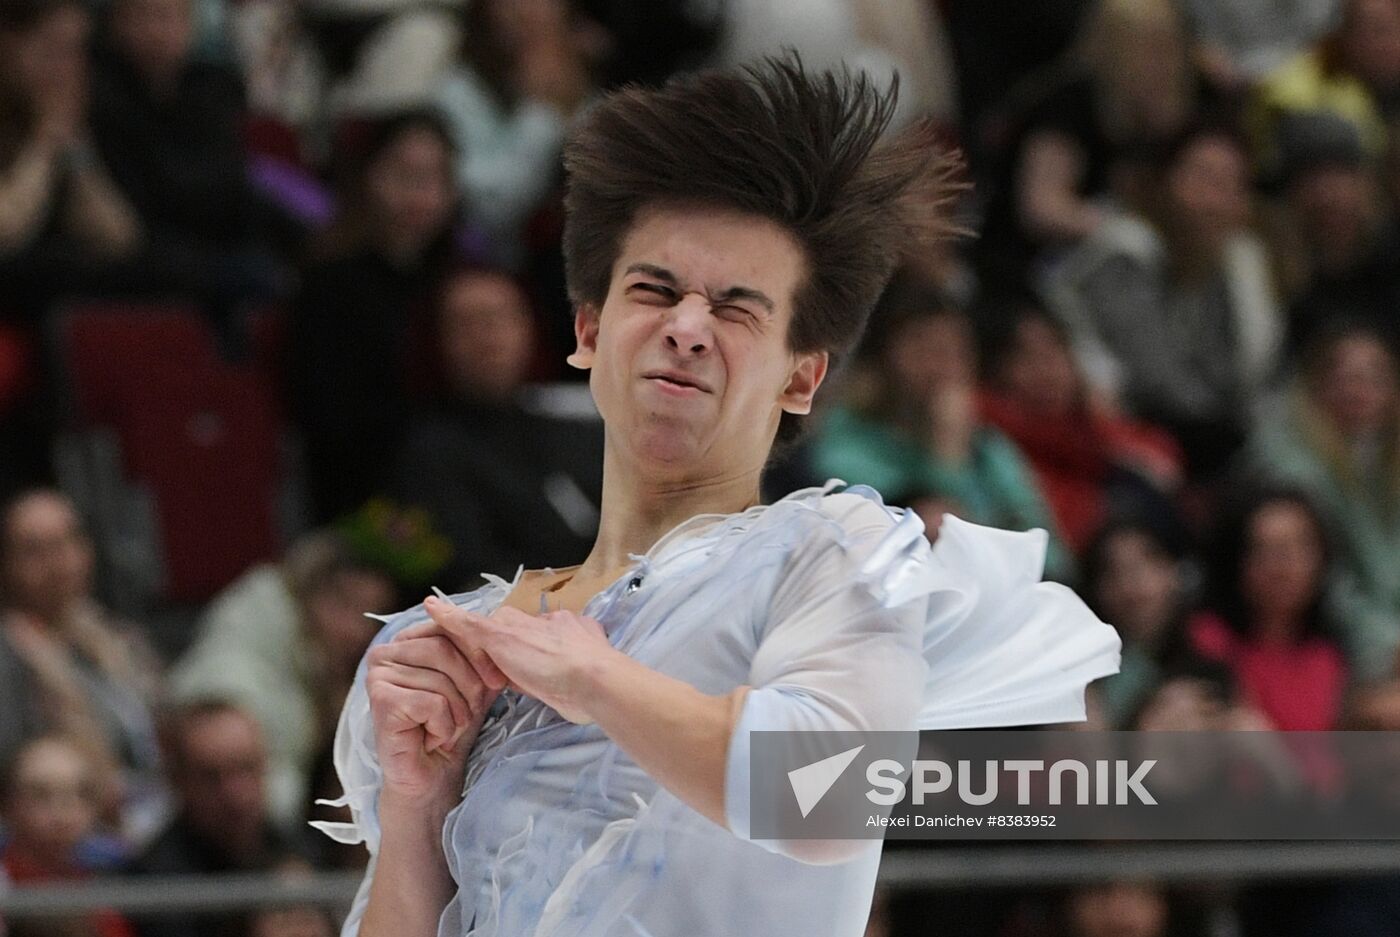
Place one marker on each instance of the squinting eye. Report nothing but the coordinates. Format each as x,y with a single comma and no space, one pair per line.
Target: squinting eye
656,290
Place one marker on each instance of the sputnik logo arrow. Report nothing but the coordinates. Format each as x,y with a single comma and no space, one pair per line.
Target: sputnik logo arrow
811,782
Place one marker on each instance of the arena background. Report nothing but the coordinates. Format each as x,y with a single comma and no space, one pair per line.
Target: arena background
282,329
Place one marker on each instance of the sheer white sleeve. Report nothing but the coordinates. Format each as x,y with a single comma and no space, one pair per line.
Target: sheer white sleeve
870,629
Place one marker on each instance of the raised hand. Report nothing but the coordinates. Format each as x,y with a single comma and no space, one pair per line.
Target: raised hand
544,656
427,702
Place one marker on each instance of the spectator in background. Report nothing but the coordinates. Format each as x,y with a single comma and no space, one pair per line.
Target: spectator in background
360,326
878,37
1268,618
527,65
217,760
930,505
1238,42
1337,239
1174,311
1127,87
1118,909
501,480
283,642
915,428
997,44
170,128
1354,73
1336,435
1088,461
1194,695
66,665
292,922
61,216
378,56
1136,578
48,801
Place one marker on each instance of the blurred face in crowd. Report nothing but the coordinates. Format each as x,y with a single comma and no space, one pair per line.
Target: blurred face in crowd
1208,189
335,614
1142,54
47,556
1371,41
517,21
1282,568
689,358
932,352
48,61
1038,372
487,336
1335,206
1119,910
219,775
411,190
52,804
1139,587
1358,387
155,35
1184,704
291,922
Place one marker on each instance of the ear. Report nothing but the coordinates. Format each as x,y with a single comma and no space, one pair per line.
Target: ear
586,336
808,371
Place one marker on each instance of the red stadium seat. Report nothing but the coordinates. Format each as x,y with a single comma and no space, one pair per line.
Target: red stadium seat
108,346
207,445
16,365
200,437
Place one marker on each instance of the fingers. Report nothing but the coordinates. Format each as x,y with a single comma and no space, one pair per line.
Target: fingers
398,709
438,654
432,681
463,644
458,623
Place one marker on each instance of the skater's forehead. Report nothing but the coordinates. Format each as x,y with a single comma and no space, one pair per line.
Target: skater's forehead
724,254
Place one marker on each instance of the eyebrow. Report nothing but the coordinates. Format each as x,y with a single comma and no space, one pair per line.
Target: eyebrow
724,296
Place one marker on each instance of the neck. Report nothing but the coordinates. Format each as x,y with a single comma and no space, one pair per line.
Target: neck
638,508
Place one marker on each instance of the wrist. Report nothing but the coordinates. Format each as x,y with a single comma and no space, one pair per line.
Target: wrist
415,812
595,679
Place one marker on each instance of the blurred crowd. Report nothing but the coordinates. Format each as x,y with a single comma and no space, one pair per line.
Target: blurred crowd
299,260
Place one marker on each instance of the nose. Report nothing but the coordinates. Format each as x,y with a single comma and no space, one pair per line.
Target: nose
687,328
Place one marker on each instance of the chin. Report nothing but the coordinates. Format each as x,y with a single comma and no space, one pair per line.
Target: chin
666,444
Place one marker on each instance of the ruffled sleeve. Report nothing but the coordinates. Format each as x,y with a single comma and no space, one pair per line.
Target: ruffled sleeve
872,629
1002,647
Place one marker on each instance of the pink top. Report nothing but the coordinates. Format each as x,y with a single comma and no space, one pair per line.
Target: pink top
1298,686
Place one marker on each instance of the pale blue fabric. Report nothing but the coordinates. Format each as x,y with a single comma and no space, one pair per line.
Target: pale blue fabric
834,609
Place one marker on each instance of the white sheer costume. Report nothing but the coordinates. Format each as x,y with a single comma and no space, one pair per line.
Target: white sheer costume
837,613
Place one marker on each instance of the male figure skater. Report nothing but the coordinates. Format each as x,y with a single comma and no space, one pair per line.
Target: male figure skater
568,753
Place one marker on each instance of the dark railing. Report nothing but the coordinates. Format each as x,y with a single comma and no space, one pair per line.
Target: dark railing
902,871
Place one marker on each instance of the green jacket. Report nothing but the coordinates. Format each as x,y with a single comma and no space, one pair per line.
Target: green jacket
1290,446
994,486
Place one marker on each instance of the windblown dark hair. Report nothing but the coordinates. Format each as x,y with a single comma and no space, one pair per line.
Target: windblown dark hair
802,150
